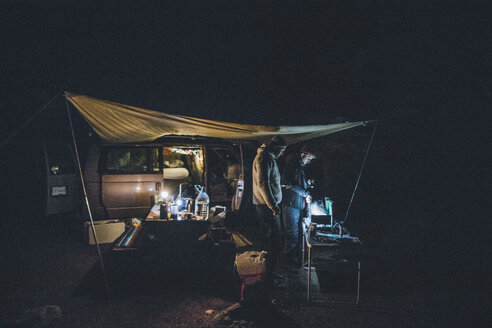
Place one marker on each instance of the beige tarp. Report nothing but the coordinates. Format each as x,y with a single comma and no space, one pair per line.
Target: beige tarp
118,123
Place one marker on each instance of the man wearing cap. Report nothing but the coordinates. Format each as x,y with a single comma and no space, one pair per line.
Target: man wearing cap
267,195
295,192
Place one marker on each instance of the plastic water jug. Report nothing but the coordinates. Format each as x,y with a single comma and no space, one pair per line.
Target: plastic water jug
251,263
202,203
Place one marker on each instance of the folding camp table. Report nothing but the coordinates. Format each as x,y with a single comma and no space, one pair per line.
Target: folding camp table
346,248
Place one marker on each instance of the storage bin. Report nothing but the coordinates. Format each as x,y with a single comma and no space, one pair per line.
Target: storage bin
107,231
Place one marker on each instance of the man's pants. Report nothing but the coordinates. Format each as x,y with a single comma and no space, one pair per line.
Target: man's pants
290,220
269,233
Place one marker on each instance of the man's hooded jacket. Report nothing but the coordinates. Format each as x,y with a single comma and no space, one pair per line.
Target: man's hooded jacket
266,179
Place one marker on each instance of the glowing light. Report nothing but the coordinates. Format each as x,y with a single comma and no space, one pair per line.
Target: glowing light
138,188
190,152
164,194
179,201
316,209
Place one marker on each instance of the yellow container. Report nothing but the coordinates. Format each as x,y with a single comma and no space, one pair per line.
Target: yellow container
251,263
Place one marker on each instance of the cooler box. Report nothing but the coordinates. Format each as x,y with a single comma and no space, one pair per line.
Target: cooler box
251,267
107,231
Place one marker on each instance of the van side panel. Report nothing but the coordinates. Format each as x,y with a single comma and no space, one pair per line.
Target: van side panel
129,195
56,204
62,182
93,185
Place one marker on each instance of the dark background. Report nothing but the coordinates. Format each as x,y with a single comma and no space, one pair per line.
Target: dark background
421,68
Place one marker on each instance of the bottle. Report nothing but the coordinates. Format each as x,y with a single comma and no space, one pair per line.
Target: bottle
202,203
312,230
180,201
163,211
173,209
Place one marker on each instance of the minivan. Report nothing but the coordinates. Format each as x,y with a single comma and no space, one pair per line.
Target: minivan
125,180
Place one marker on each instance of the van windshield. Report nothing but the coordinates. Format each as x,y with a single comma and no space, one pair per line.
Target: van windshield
182,165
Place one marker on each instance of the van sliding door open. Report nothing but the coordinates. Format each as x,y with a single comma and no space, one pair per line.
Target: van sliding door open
225,175
183,168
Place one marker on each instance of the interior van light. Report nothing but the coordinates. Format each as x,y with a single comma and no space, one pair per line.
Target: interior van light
164,194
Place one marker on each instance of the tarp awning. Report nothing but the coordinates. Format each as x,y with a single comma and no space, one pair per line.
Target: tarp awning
118,123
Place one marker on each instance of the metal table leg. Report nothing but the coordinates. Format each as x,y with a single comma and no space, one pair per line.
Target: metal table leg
358,282
309,275
302,250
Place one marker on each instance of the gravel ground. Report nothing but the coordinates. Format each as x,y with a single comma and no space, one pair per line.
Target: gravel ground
50,264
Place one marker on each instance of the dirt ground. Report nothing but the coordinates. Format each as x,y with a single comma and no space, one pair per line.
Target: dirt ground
50,264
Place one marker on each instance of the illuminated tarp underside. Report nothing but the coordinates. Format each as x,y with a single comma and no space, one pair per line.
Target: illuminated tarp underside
118,123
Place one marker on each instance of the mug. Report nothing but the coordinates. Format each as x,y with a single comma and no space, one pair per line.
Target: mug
312,230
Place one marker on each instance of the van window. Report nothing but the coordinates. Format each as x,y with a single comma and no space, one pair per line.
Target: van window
124,160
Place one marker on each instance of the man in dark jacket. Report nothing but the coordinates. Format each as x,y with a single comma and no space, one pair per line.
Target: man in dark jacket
295,194
267,195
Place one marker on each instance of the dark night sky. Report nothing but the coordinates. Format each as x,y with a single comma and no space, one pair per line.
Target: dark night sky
336,59
422,67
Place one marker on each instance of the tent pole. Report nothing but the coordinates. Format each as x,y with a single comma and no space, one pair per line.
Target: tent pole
29,120
106,284
360,174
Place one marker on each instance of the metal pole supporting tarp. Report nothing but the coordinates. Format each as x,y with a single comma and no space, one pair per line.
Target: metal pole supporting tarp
106,284
360,174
